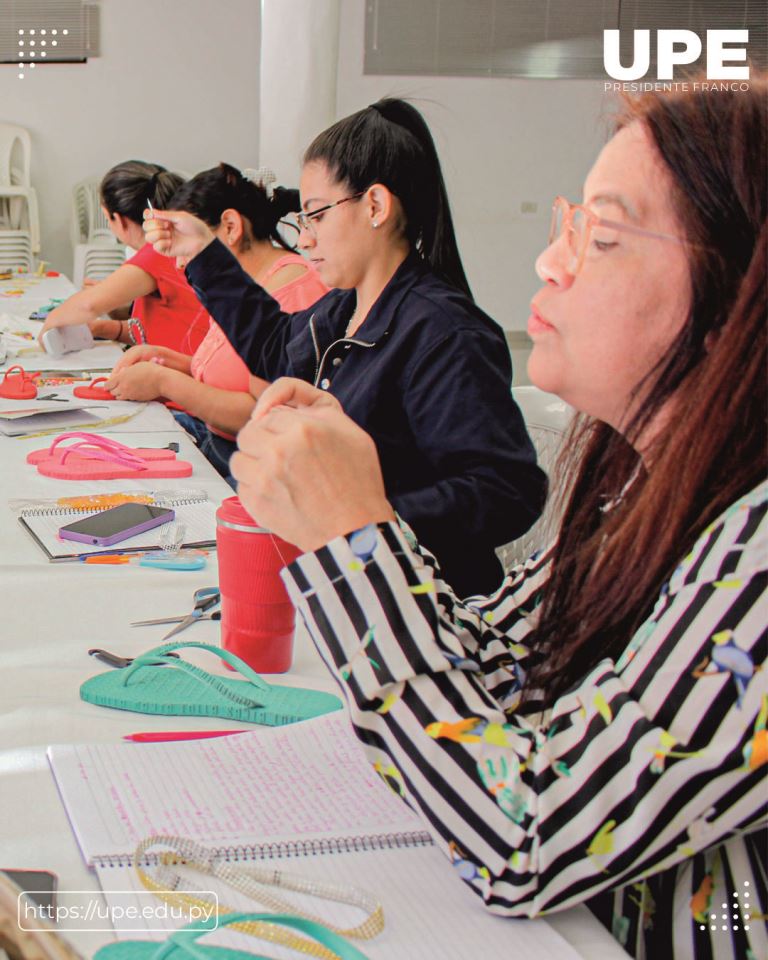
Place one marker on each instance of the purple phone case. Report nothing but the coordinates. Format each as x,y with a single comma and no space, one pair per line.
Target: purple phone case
121,534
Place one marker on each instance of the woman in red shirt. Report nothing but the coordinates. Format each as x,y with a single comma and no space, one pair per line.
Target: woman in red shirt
165,310
214,386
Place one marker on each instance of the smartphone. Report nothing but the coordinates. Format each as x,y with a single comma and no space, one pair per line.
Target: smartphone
39,885
60,340
116,524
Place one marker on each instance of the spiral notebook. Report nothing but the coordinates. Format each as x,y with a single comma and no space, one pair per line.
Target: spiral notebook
301,796
192,508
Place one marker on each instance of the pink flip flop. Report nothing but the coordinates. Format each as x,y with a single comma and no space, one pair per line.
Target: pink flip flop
17,387
105,465
94,392
87,442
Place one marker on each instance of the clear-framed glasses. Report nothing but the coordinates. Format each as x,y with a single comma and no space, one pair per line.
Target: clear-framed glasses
304,220
581,226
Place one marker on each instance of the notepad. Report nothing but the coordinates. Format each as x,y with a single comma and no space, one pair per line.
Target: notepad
39,415
304,797
192,508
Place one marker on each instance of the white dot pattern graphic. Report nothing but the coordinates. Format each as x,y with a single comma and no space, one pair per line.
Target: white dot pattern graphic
740,901
28,53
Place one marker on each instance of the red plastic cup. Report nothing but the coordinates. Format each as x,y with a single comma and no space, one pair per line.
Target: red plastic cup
257,618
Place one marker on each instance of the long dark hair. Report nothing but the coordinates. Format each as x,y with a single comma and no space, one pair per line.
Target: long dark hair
208,194
389,143
610,564
126,188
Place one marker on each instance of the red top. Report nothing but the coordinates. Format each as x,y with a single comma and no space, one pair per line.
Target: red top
172,316
216,361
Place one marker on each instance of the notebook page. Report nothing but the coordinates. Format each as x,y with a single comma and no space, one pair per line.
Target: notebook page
428,911
57,420
300,780
199,521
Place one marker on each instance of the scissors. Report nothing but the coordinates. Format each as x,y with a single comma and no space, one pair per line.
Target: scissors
114,659
205,598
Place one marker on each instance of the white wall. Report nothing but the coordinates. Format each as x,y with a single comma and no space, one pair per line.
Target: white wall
177,83
501,142
298,87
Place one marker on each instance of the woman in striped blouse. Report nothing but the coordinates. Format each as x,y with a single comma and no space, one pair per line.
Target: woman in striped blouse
595,731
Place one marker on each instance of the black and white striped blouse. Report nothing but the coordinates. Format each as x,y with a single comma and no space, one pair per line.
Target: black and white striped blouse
642,792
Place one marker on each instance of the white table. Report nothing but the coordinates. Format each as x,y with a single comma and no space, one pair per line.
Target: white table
23,295
52,614
27,292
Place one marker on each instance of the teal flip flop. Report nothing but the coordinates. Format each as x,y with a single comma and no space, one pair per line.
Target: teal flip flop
182,689
182,944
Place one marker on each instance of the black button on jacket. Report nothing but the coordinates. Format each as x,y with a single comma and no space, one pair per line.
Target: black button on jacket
428,375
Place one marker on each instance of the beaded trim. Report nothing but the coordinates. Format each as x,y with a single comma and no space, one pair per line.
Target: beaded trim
254,883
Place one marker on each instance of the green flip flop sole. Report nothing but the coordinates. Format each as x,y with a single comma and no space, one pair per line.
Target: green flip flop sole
159,684
183,944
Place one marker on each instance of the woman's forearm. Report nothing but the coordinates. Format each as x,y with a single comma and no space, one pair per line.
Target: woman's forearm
110,328
77,309
225,410
174,359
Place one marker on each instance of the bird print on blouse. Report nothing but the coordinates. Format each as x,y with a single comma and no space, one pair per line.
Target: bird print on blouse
756,751
727,657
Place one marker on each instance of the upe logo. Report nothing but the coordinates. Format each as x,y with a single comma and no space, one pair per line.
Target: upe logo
678,48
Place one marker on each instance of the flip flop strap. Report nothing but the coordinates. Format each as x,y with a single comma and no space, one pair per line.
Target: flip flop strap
96,438
20,372
156,658
231,658
95,452
184,940
118,451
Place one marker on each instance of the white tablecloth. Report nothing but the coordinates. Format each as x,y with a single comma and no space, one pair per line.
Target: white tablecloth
52,614
23,295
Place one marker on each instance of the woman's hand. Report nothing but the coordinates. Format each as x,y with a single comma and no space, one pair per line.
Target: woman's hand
60,317
141,381
176,234
144,351
107,328
305,470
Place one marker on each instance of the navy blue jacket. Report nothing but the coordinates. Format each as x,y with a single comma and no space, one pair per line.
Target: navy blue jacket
428,376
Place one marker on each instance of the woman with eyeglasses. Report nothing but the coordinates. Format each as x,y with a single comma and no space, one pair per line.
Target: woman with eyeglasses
212,386
400,343
596,731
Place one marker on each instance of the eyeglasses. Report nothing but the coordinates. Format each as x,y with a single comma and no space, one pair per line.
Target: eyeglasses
578,223
304,220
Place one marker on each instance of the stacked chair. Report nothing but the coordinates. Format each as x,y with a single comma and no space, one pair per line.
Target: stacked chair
19,218
97,252
547,419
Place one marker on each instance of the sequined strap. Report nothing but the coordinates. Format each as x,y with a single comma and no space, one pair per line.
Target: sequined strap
258,883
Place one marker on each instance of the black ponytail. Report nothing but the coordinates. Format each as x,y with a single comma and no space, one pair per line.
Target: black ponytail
389,143
208,194
126,188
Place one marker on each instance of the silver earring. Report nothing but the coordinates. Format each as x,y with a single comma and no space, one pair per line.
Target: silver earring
375,225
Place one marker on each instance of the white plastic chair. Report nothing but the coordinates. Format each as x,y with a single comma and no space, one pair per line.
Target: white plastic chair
96,260
16,250
97,252
18,200
15,155
19,211
547,418
89,223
